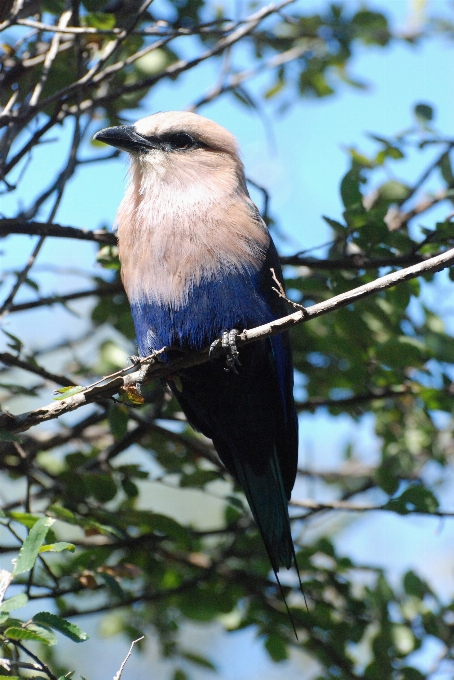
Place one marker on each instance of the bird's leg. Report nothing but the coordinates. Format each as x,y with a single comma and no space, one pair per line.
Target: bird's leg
228,343
144,363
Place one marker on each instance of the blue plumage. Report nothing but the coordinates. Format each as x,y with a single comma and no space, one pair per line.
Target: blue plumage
251,416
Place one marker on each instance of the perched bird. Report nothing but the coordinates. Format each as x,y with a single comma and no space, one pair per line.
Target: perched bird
196,261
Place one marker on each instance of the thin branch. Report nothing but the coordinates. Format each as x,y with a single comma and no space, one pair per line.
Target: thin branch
362,507
238,78
50,56
150,31
355,399
107,289
11,360
14,226
24,421
179,66
118,675
356,261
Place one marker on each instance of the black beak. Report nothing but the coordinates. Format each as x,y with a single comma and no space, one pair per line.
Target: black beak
126,138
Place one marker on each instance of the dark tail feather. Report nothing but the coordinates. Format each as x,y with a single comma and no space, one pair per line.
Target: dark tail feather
266,497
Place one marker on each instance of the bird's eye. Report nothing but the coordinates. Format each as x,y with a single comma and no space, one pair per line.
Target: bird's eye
181,141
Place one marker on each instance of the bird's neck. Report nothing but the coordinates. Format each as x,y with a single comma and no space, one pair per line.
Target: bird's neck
176,229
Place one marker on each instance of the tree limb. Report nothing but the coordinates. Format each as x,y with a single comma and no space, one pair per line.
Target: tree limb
91,394
12,226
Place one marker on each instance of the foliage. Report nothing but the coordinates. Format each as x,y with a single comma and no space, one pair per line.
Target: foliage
85,535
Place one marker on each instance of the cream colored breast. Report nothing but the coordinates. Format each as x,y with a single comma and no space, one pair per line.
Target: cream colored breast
176,226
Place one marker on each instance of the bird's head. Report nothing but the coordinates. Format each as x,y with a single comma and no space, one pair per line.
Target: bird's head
175,140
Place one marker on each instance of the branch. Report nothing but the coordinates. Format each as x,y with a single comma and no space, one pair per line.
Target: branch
125,379
177,67
107,289
12,226
118,675
365,507
355,399
10,360
356,261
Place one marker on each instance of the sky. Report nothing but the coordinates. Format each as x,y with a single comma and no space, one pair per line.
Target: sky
301,168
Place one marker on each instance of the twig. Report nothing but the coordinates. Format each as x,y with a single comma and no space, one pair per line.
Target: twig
51,54
355,399
356,261
181,65
24,421
8,227
107,289
11,360
365,507
238,78
281,292
117,676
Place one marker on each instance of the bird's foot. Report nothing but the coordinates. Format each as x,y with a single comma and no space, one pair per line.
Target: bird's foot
144,363
228,343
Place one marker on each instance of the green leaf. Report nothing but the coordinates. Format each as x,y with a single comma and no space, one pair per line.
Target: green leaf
337,227
8,436
63,626
424,113
349,189
107,256
414,585
446,168
394,191
57,547
170,528
70,391
409,673
199,660
31,633
414,499
28,520
100,20
118,416
180,675
30,548
276,647
15,602
199,478
16,344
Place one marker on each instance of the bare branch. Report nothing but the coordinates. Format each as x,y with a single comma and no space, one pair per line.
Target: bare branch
355,399
24,421
356,261
107,289
118,675
361,507
50,56
14,226
10,360
177,67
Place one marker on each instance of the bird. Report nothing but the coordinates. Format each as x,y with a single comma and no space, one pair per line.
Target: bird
198,264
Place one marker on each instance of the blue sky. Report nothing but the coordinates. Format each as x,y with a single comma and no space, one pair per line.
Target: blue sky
302,169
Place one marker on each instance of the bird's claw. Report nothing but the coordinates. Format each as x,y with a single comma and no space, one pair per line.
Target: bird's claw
144,366
228,342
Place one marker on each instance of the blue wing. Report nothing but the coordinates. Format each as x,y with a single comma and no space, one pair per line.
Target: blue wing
251,416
